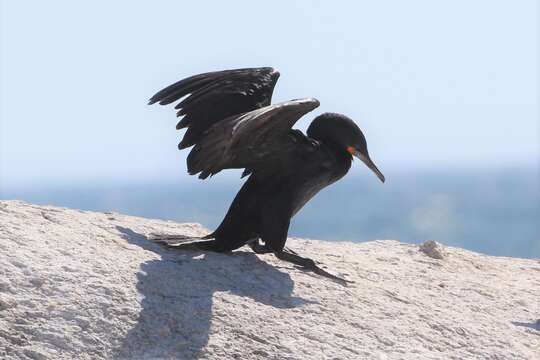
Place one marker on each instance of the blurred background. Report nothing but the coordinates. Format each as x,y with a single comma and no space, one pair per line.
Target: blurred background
447,94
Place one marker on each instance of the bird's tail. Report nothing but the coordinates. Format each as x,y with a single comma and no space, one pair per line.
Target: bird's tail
207,242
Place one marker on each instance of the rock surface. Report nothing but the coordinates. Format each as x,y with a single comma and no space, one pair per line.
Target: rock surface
85,285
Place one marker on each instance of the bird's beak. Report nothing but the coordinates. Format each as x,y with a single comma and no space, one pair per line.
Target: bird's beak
366,160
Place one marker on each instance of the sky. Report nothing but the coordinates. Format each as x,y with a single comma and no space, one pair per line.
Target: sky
433,85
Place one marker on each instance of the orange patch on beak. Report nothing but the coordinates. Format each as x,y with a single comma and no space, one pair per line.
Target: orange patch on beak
351,150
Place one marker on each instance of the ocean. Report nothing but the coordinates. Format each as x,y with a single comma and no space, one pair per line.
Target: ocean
495,212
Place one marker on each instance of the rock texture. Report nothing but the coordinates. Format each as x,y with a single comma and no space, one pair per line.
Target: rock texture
84,285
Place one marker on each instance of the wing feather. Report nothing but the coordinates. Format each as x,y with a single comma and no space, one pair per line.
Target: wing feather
211,97
246,140
230,121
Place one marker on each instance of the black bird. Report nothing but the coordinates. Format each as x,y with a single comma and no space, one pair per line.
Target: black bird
232,124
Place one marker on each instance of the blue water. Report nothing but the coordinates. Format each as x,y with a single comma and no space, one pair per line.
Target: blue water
493,212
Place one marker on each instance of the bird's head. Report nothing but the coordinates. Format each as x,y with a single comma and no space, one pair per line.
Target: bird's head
339,131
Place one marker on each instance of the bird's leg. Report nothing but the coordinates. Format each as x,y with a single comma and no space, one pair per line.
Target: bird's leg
290,250
274,234
308,264
259,248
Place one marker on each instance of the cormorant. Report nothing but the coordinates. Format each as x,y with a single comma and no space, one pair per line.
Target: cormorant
232,124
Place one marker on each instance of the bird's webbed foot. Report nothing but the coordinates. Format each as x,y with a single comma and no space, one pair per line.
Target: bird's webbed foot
292,257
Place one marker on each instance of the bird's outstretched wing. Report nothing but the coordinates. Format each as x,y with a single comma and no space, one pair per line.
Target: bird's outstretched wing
215,96
230,120
252,140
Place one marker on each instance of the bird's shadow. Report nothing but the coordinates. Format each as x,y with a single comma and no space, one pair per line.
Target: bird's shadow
532,325
178,291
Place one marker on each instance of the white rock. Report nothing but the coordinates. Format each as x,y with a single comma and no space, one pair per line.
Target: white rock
432,249
84,285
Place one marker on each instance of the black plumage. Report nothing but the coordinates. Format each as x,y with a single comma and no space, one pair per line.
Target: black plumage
231,124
